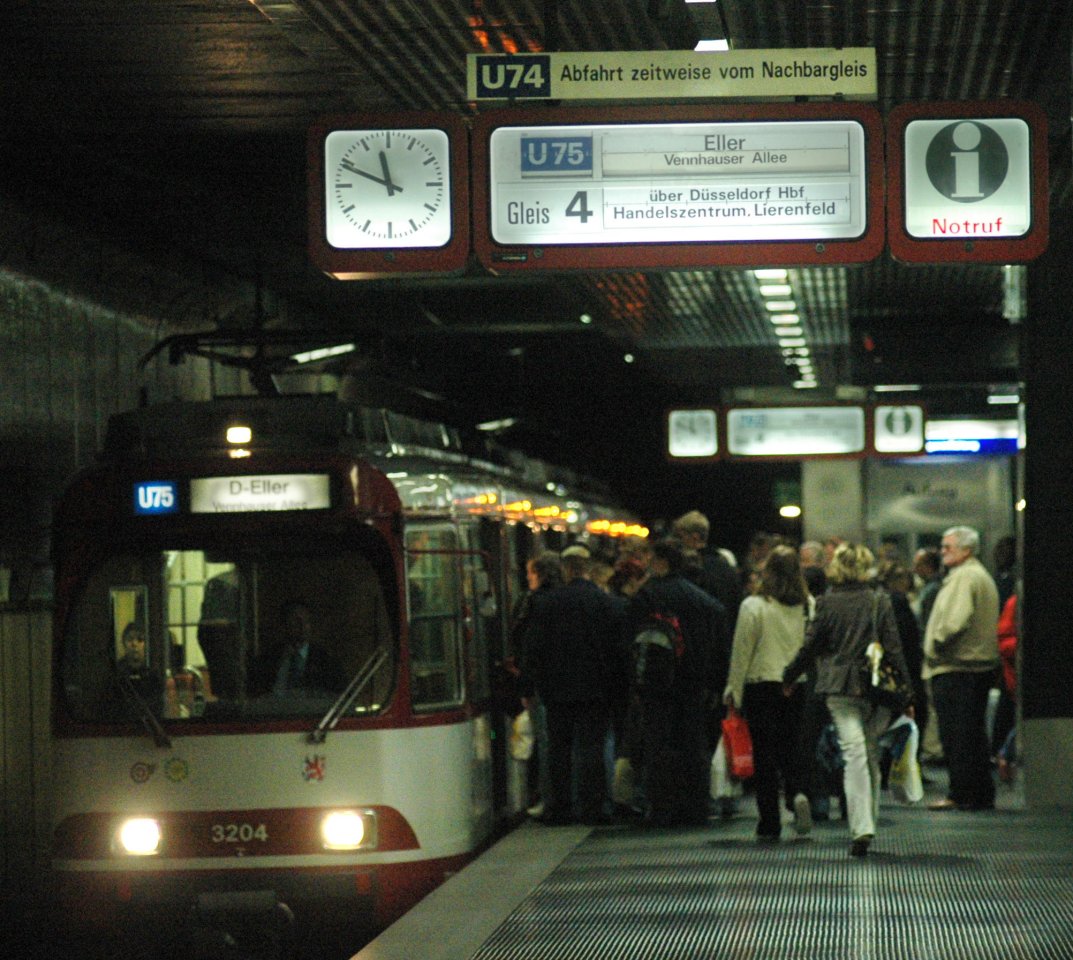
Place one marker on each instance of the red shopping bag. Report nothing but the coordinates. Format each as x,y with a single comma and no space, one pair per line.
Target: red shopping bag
738,745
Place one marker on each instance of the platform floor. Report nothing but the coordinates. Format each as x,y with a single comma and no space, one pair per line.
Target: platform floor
936,886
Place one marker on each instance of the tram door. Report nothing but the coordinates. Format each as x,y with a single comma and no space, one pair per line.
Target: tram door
451,600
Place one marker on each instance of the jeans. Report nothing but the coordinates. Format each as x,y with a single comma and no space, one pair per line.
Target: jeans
961,706
859,724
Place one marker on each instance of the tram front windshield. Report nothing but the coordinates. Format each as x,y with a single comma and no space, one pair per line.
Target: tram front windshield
197,635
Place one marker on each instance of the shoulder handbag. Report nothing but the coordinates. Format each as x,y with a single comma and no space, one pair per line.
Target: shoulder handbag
882,681
738,744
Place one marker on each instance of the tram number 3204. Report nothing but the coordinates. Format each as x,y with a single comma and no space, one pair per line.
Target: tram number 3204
239,833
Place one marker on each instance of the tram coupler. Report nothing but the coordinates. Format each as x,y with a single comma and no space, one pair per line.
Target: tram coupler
242,925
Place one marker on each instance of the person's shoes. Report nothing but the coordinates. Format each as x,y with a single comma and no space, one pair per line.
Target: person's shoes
945,804
859,847
536,810
802,815
767,837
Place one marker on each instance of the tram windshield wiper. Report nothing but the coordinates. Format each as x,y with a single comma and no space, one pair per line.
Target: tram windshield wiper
349,695
145,713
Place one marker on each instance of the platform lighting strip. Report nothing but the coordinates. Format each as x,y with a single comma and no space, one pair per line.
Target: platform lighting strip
778,294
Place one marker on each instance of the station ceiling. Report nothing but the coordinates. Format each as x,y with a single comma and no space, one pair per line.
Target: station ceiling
154,160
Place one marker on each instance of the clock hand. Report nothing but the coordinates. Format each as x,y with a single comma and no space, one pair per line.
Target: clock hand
392,188
347,165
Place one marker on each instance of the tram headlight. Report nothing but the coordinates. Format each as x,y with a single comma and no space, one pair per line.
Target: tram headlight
348,829
139,837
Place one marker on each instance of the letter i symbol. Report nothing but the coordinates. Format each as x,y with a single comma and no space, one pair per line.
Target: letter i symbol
966,161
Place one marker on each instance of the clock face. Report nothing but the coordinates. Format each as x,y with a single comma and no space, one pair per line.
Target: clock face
387,189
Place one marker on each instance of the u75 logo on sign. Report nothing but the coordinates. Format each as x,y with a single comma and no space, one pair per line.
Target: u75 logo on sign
524,76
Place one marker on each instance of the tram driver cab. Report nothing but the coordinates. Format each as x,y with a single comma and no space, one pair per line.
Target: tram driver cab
223,635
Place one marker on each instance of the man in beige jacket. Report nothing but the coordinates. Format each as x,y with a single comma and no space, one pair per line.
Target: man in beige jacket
960,659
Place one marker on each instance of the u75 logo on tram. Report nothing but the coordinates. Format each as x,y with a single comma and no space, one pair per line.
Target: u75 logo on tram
156,496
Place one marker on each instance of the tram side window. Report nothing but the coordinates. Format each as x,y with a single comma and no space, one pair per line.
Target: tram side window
435,612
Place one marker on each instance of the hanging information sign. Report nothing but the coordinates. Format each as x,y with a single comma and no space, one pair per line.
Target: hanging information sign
848,72
579,189
967,181
774,432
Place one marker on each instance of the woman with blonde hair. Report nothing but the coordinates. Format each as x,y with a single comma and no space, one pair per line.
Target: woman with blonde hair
768,634
848,617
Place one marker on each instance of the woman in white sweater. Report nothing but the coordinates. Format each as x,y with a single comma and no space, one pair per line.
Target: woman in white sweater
768,635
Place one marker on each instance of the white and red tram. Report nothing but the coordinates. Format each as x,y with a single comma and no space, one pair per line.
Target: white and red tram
183,790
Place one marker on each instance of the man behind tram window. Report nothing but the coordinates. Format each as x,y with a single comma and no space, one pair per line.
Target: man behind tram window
296,663
960,658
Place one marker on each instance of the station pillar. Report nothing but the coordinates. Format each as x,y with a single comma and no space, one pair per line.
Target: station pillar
1046,654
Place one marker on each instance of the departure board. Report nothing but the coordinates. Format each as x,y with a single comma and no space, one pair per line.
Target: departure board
746,182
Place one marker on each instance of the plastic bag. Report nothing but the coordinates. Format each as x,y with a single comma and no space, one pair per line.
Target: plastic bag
905,768
521,736
721,785
738,745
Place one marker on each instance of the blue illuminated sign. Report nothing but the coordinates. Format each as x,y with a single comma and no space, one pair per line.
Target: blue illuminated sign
152,497
565,154
993,446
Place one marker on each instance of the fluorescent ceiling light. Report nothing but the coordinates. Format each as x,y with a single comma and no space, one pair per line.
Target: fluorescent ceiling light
775,290
494,426
785,318
805,384
795,342
771,273
780,306
896,387
323,353
788,332
1003,398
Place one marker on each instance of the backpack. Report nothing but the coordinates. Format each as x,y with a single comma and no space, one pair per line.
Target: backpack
657,648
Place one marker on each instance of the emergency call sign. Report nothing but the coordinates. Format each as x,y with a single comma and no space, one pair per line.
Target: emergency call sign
965,179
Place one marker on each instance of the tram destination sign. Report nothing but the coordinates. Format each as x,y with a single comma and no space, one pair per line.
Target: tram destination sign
779,182
259,494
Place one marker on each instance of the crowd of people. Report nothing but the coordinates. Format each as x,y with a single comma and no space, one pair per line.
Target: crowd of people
627,664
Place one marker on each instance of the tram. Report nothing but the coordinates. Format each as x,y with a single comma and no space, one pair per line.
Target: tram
194,792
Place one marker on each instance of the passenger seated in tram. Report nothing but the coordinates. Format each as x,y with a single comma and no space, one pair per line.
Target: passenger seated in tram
296,663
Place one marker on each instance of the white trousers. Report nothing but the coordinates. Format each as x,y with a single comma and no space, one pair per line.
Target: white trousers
859,725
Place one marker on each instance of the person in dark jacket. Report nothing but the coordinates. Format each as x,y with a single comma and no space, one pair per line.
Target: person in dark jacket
676,747
296,663
847,618
543,573
720,579
569,656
